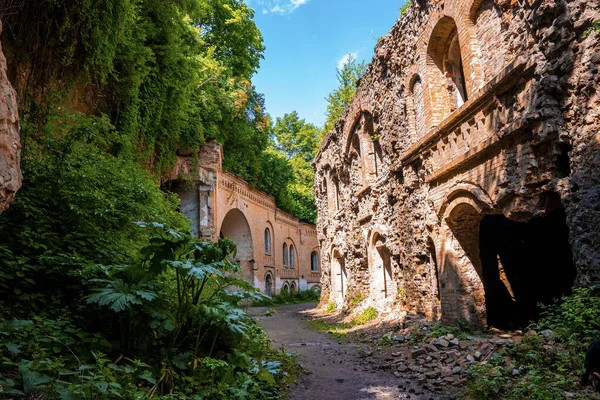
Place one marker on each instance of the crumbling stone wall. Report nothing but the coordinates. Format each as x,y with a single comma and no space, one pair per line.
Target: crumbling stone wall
480,109
10,144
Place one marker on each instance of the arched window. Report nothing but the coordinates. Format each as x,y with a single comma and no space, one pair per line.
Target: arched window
267,241
285,254
453,68
445,73
292,256
418,107
314,261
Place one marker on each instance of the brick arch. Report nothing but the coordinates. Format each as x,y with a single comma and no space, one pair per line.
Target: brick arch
465,192
269,226
338,277
417,122
236,227
369,152
469,49
460,280
382,286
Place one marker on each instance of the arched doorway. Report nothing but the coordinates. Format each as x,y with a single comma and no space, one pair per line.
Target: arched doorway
382,286
235,227
497,271
268,285
339,278
293,287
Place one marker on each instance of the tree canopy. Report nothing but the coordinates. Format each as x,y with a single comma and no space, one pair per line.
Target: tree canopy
338,100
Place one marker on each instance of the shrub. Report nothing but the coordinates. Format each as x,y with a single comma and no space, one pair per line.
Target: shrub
286,297
546,370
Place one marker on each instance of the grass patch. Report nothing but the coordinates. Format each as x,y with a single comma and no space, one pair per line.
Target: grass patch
356,299
368,314
285,297
331,308
338,331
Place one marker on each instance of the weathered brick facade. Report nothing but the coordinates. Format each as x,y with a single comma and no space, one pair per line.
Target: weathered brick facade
275,250
463,181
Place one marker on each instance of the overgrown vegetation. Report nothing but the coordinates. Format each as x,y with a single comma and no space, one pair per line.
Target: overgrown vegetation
404,8
287,297
356,299
549,361
167,325
93,305
339,330
166,78
366,315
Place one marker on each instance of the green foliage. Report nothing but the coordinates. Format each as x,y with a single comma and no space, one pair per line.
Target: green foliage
417,334
547,368
290,177
337,100
285,297
76,209
331,308
356,299
573,318
173,310
366,315
167,77
404,8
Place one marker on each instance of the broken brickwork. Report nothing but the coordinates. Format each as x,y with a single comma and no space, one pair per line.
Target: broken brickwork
463,180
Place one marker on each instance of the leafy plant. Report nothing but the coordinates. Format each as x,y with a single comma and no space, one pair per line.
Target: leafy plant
545,370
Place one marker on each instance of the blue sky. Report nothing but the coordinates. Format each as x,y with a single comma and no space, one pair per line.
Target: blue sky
306,40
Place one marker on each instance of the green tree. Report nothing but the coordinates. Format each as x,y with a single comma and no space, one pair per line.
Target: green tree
337,100
295,137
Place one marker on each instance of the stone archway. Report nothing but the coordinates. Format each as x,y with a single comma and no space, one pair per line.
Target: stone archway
496,271
235,227
462,295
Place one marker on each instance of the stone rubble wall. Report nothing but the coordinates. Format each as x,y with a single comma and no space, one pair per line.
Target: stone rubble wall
531,72
10,144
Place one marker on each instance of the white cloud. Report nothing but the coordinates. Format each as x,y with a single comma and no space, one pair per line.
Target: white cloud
345,59
281,7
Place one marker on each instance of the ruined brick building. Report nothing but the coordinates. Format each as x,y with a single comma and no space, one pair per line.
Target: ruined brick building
275,250
463,181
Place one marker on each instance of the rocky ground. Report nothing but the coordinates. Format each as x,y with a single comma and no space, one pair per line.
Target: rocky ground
396,357
335,369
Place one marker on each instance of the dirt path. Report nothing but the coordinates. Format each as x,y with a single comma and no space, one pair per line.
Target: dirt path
335,371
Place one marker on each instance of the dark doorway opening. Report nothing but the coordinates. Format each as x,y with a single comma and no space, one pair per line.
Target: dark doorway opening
524,264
